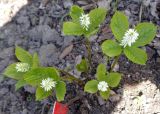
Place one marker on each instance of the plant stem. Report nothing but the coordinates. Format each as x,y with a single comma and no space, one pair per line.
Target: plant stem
70,77
116,5
114,63
88,46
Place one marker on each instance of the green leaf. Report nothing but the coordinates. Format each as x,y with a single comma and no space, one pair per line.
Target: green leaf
101,72
106,94
23,55
97,16
41,94
11,72
60,90
35,76
36,62
111,48
70,28
113,79
88,34
82,66
136,55
91,86
75,13
147,32
20,84
119,25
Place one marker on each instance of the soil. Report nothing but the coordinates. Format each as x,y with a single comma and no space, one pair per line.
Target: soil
36,26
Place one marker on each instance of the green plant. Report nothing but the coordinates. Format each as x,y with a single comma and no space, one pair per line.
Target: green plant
47,79
17,70
82,66
104,81
84,24
129,40
29,72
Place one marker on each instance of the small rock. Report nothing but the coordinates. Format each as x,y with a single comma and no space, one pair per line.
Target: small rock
158,51
116,68
24,21
44,33
146,2
115,98
96,110
104,4
30,89
156,44
153,9
25,111
101,101
67,3
68,40
66,51
3,91
93,38
3,64
150,52
43,4
48,55
1,78
7,52
11,82
112,92
34,19
82,2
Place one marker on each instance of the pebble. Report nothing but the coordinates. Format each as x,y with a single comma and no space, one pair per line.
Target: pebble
115,98
101,101
67,3
30,89
3,91
7,52
104,4
25,111
48,54
68,40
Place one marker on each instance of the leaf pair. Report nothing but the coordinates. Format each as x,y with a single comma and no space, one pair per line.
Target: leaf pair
119,25
24,57
112,80
96,16
35,77
82,66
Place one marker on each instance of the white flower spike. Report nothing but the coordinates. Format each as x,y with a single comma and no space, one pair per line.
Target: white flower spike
22,67
85,21
102,86
129,38
48,84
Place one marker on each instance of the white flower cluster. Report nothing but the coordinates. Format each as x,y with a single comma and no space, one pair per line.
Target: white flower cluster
103,86
85,21
22,67
129,38
48,84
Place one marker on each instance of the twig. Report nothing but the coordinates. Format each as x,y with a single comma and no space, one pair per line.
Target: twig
74,99
116,5
70,77
114,63
88,46
140,12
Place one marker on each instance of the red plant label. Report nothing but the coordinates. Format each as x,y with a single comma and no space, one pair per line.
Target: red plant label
60,108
